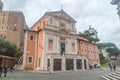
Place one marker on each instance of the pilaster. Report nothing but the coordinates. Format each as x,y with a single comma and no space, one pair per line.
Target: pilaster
83,65
63,65
75,68
51,64
25,50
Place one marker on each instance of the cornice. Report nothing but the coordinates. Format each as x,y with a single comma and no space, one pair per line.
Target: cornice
59,31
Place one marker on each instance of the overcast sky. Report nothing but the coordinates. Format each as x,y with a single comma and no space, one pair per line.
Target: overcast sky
100,14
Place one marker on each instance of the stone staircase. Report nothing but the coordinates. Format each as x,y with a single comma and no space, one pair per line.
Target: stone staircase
19,65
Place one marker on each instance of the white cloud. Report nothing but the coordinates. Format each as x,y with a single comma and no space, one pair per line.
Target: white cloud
100,14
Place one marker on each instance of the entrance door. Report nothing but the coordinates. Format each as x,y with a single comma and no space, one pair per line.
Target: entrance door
79,63
85,64
48,63
57,64
62,48
69,64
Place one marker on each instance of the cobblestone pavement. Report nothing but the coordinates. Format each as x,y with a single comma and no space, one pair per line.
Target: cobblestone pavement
69,75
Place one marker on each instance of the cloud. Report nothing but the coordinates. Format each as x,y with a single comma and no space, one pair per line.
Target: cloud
14,4
100,14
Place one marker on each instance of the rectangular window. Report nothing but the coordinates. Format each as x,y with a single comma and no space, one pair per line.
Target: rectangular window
2,27
4,37
31,37
8,21
1,36
30,59
51,20
7,28
38,62
50,45
3,21
14,28
73,47
4,14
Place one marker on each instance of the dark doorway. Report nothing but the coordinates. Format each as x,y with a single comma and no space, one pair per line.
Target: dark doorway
48,63
69,64
1,60
57,64
85,64
79,63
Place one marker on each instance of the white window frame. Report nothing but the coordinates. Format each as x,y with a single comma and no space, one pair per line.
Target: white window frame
30,37
28,59
39,60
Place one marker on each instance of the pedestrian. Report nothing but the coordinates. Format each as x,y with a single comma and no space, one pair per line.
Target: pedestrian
114,67
11,69
5,70
49,70
110,65
90,66
0,71
95,65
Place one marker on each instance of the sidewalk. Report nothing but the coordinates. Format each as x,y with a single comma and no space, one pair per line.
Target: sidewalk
67,71
58,75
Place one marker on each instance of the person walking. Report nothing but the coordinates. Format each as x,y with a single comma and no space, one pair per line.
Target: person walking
114,67
90,66
0,71
5,70
49,70
11,69
110,65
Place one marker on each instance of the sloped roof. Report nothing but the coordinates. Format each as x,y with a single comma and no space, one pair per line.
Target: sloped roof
57,14
61,13
79,37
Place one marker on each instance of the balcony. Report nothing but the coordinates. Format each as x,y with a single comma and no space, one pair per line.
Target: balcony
66,55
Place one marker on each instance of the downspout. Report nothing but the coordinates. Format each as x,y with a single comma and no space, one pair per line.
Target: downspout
36,51
25,48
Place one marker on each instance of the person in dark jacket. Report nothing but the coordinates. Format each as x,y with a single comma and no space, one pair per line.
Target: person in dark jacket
11,69
49,70
114,67
5,71
110,65
0,71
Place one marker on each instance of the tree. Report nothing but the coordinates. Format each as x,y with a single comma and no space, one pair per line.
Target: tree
106,45
110,47
102,59
113,51
8,49
89,36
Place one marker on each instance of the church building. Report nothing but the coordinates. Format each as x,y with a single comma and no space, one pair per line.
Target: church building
52,42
